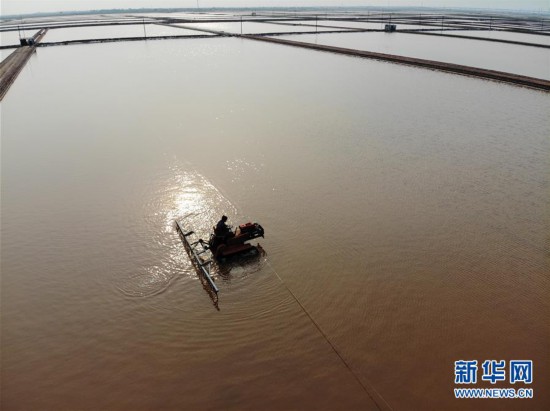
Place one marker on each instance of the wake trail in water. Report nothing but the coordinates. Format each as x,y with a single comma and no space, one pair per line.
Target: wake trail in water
323,334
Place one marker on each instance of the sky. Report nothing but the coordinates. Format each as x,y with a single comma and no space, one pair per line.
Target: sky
14,7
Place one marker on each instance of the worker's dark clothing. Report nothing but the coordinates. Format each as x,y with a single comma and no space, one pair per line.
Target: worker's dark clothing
221,228
222,231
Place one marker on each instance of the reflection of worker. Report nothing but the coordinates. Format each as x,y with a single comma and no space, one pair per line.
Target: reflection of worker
221,227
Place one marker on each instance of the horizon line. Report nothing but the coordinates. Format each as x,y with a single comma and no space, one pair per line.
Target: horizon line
195,9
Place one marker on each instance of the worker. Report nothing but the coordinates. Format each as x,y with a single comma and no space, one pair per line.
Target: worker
221,228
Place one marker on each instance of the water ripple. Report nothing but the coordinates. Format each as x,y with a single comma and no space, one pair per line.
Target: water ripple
151,282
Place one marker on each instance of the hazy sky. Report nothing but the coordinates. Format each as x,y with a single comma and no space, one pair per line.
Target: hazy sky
30,6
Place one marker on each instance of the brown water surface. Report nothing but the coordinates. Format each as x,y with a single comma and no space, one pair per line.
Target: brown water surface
407,209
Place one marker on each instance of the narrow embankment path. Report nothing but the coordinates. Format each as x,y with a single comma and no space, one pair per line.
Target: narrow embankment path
517,79
12,65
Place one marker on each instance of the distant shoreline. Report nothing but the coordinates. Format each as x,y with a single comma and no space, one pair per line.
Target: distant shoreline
449,10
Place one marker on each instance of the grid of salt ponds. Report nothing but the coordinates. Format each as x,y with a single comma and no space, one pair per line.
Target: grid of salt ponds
503,35
202,16
71,23
359,24
510,58
105,32
193,16
254,27
66,19
57,20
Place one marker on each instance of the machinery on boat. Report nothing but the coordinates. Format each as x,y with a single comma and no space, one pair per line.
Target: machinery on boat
221,246
227,244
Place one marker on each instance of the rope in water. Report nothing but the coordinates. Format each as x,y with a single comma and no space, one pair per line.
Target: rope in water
332,346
